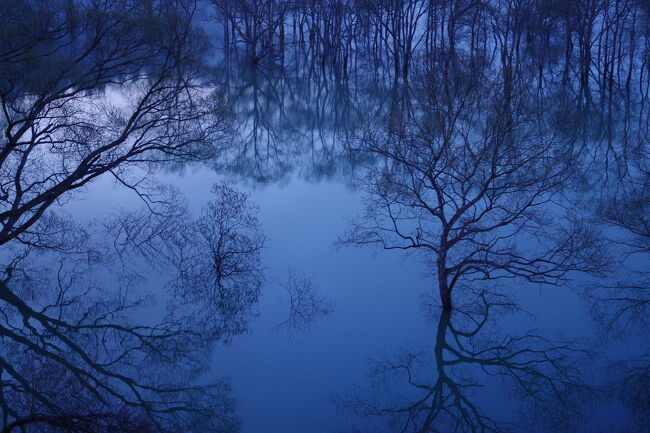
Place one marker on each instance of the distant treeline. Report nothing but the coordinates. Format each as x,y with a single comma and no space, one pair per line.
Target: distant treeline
598,47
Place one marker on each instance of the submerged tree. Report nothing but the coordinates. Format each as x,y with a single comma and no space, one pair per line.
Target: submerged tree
620,303
306,303
473,180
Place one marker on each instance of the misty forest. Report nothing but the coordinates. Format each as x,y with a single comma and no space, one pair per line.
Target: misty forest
324,216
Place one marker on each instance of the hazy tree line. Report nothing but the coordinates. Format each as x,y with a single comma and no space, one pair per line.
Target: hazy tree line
288,121
598,47
584,62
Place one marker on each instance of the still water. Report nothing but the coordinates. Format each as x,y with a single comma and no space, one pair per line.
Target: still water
338,372
384,357
331,375
288,380
325,217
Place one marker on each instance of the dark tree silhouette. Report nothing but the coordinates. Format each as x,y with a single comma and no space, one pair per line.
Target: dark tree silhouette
92,89
443,386
85,327
629,381
476,187
89,89
306,302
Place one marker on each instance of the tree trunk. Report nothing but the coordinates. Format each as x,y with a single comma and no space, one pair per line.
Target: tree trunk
443,285
445,298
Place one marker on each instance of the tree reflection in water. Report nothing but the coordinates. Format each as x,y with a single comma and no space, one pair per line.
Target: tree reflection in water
454,385
85,350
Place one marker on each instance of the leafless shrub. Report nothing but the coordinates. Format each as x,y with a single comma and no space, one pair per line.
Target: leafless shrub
306,303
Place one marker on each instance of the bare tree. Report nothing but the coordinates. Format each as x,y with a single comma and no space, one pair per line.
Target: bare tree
71,408
306,303
474,186
92,89
216,258
260,25
621,302
629,381
112,88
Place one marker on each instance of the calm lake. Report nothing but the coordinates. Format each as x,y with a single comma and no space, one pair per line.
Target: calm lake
325,216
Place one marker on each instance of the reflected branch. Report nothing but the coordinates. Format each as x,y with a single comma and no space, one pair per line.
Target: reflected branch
442,390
